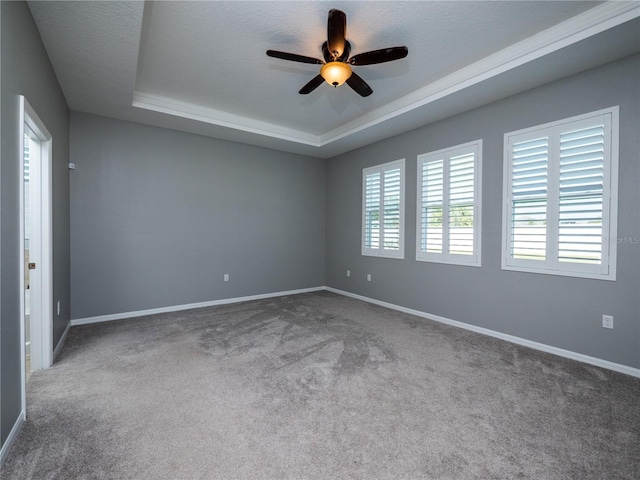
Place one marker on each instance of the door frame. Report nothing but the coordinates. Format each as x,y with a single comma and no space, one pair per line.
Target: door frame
42,334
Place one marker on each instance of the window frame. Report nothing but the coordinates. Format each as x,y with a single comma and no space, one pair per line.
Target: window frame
381,251
446,257
551,265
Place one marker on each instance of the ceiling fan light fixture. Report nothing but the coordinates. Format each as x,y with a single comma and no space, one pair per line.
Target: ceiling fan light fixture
335,73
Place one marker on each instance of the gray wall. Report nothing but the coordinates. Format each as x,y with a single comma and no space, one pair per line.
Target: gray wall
561,311
26,70
158,216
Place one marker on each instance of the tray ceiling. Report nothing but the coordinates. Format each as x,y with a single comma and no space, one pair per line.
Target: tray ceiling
201,67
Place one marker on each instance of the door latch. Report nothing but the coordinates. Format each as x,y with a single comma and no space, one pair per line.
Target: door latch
31,266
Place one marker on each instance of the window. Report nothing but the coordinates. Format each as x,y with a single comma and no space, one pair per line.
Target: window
448,223
383,210
560,188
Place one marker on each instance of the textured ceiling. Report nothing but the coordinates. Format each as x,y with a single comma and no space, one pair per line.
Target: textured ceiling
201,66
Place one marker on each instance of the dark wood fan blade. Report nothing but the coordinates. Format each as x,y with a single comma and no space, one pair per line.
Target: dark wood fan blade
359,85
336,31
379,56
312,85
294,57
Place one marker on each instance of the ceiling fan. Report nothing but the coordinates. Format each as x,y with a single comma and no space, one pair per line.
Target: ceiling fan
336,67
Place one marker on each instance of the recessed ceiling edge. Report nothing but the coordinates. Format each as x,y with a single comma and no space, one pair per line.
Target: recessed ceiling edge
580,27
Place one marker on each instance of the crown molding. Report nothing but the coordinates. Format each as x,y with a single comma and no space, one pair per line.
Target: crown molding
191,111
595,20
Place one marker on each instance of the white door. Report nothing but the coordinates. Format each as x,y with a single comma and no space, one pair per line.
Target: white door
36,243
32,246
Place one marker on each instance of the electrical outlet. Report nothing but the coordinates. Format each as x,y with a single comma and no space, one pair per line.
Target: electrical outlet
607,321
368,277
348,273
226,277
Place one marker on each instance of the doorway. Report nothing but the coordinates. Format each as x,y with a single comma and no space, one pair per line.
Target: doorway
36,281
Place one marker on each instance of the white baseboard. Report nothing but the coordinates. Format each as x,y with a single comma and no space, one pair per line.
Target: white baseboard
11,438
616,367
189,306
60,344
598,362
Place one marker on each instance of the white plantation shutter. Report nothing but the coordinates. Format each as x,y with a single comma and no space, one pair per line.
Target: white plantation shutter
530,158
559,180
26,156
26,162
372,211
448,226
461,203
432,191
581,195
383,210
391,205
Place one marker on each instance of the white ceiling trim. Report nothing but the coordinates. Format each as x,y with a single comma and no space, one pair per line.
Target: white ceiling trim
580,27
191,111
